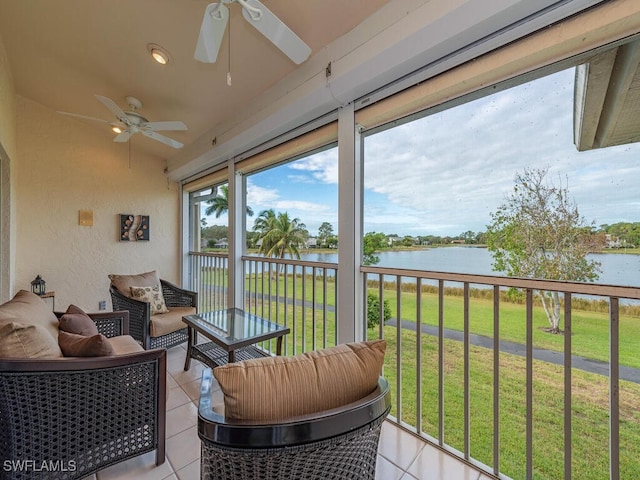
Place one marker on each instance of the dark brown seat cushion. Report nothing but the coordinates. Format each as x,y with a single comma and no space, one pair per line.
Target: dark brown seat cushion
73,345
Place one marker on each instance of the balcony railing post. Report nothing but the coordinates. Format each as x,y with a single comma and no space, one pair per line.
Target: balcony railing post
529,385
614,390
496,379
567,386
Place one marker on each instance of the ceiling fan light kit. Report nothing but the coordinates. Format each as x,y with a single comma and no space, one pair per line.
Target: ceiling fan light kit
131,122
215,21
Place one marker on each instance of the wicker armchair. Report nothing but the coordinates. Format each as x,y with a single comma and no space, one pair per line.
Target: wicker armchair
140,315
68,418
341,443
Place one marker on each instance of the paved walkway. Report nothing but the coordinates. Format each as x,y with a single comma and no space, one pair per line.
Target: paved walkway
587,364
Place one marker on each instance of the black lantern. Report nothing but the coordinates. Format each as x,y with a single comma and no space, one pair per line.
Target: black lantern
38,286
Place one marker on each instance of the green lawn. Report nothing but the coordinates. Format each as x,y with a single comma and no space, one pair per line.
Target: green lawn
589,391
589,409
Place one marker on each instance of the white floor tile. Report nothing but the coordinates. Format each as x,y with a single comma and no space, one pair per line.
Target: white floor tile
183,448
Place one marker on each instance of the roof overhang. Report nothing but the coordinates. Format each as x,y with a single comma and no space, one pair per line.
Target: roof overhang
607,99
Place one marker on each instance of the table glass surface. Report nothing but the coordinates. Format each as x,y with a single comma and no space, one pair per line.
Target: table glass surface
234,325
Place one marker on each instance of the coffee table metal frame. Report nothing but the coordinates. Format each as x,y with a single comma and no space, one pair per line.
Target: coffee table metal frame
224,348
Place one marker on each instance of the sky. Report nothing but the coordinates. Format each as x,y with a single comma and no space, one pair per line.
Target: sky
446,173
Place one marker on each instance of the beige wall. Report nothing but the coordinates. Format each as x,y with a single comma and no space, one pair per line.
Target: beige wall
66,166
7,158
7,104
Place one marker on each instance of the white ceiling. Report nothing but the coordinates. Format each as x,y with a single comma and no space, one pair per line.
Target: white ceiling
63,52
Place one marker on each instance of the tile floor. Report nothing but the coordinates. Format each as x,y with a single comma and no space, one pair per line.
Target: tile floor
401,455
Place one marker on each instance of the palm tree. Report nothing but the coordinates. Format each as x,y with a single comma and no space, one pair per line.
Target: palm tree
220,204
280,234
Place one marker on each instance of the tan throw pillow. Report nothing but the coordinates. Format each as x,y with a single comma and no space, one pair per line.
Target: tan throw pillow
73,345
276,388
123,283
29,309
19,340
152,295
78,323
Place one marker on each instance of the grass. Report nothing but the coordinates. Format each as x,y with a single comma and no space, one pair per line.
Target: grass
589,408
315,328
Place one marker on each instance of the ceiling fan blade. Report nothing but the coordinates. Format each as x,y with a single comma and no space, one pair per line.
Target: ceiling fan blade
123,137
276,31
161,138
212,29
160,126
115,109
88,118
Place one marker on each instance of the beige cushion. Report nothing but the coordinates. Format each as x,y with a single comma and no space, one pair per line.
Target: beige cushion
123,344
73,345
276,388
20,340
29,309
153,296
123,283
169,322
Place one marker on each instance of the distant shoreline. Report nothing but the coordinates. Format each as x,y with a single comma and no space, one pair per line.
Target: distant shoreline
623,251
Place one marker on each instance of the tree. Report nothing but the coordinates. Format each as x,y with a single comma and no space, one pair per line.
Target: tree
373,310
280,234
220,204
214,233
371,242
325,231
539,233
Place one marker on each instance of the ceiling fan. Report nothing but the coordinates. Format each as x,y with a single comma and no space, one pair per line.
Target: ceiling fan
131,122
215,20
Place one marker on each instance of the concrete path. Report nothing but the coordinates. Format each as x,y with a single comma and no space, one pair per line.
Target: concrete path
587,364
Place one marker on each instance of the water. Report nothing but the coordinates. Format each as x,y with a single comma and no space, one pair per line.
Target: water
617,269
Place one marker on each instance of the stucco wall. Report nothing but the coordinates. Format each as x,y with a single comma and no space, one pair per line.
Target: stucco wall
7,157
66,166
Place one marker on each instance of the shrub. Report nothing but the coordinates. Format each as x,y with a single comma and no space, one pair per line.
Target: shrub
373,310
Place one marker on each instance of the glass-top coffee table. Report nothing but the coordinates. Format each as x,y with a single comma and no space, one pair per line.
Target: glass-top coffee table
232,334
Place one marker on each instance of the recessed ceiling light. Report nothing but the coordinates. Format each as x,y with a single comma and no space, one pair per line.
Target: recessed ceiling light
158,53
116,129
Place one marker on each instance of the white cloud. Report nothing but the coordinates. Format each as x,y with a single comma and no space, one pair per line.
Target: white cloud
323,166
257,195
446,173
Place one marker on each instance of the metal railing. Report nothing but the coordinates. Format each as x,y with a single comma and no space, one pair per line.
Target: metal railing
209,276
471,369
297,294
442,371
300,295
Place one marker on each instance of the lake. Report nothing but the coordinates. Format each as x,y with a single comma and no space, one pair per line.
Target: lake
617,269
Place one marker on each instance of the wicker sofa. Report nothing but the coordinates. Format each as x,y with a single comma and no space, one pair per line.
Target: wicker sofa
164,330
248,435
68,417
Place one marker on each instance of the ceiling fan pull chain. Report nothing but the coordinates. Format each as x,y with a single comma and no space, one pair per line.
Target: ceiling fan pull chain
229,54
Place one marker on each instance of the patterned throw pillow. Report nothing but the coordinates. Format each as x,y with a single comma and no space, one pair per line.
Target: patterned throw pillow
152,295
